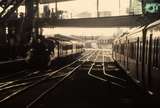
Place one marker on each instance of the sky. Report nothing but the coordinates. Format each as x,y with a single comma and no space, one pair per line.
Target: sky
83,31
78,6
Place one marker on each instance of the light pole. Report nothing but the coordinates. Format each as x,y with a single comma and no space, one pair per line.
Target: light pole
143,4
119,6
130,7
56,8
97,8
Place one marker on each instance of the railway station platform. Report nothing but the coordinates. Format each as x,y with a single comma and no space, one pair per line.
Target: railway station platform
10,66
11,61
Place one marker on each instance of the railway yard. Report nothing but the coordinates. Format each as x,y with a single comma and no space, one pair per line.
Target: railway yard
59,55
92,79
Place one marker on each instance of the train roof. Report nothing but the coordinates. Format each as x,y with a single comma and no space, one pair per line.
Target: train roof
67,38
138,29
129,33
155,23
135,30
60,37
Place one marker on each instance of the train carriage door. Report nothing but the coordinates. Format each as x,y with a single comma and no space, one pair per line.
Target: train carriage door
157,52
58,45
125,53
147,52
122,53
115,50
120,50
76,47
140,59
56,52
149,61
72,48
128,50
154,78
137,58
154,52
143,55
158,48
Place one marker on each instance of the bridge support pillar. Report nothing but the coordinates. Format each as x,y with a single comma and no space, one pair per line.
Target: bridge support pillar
29,9
36,6
32,12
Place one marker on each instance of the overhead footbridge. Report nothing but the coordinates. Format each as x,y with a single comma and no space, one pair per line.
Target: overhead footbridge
111,21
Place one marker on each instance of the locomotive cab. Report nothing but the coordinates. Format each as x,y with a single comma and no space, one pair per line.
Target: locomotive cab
38,55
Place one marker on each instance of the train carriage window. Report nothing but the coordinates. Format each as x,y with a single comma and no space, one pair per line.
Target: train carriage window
125,49
135,47
113,47
140,51
154,51
117,48
131,50
132,47
122,49
158,63
135,50
157,52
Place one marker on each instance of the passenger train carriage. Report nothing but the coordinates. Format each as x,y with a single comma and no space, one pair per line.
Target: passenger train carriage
138,52
50,48
64,47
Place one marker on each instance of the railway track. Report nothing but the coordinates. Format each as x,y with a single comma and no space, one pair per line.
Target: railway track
32,92
95,70
59,75
98,70
23,75
89,70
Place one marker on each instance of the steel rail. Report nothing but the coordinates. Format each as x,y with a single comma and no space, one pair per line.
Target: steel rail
2,85
90,69
39,81
99,78
56,84
108,75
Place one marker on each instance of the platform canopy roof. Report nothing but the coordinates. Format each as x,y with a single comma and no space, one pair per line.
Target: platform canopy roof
52,1
61,37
